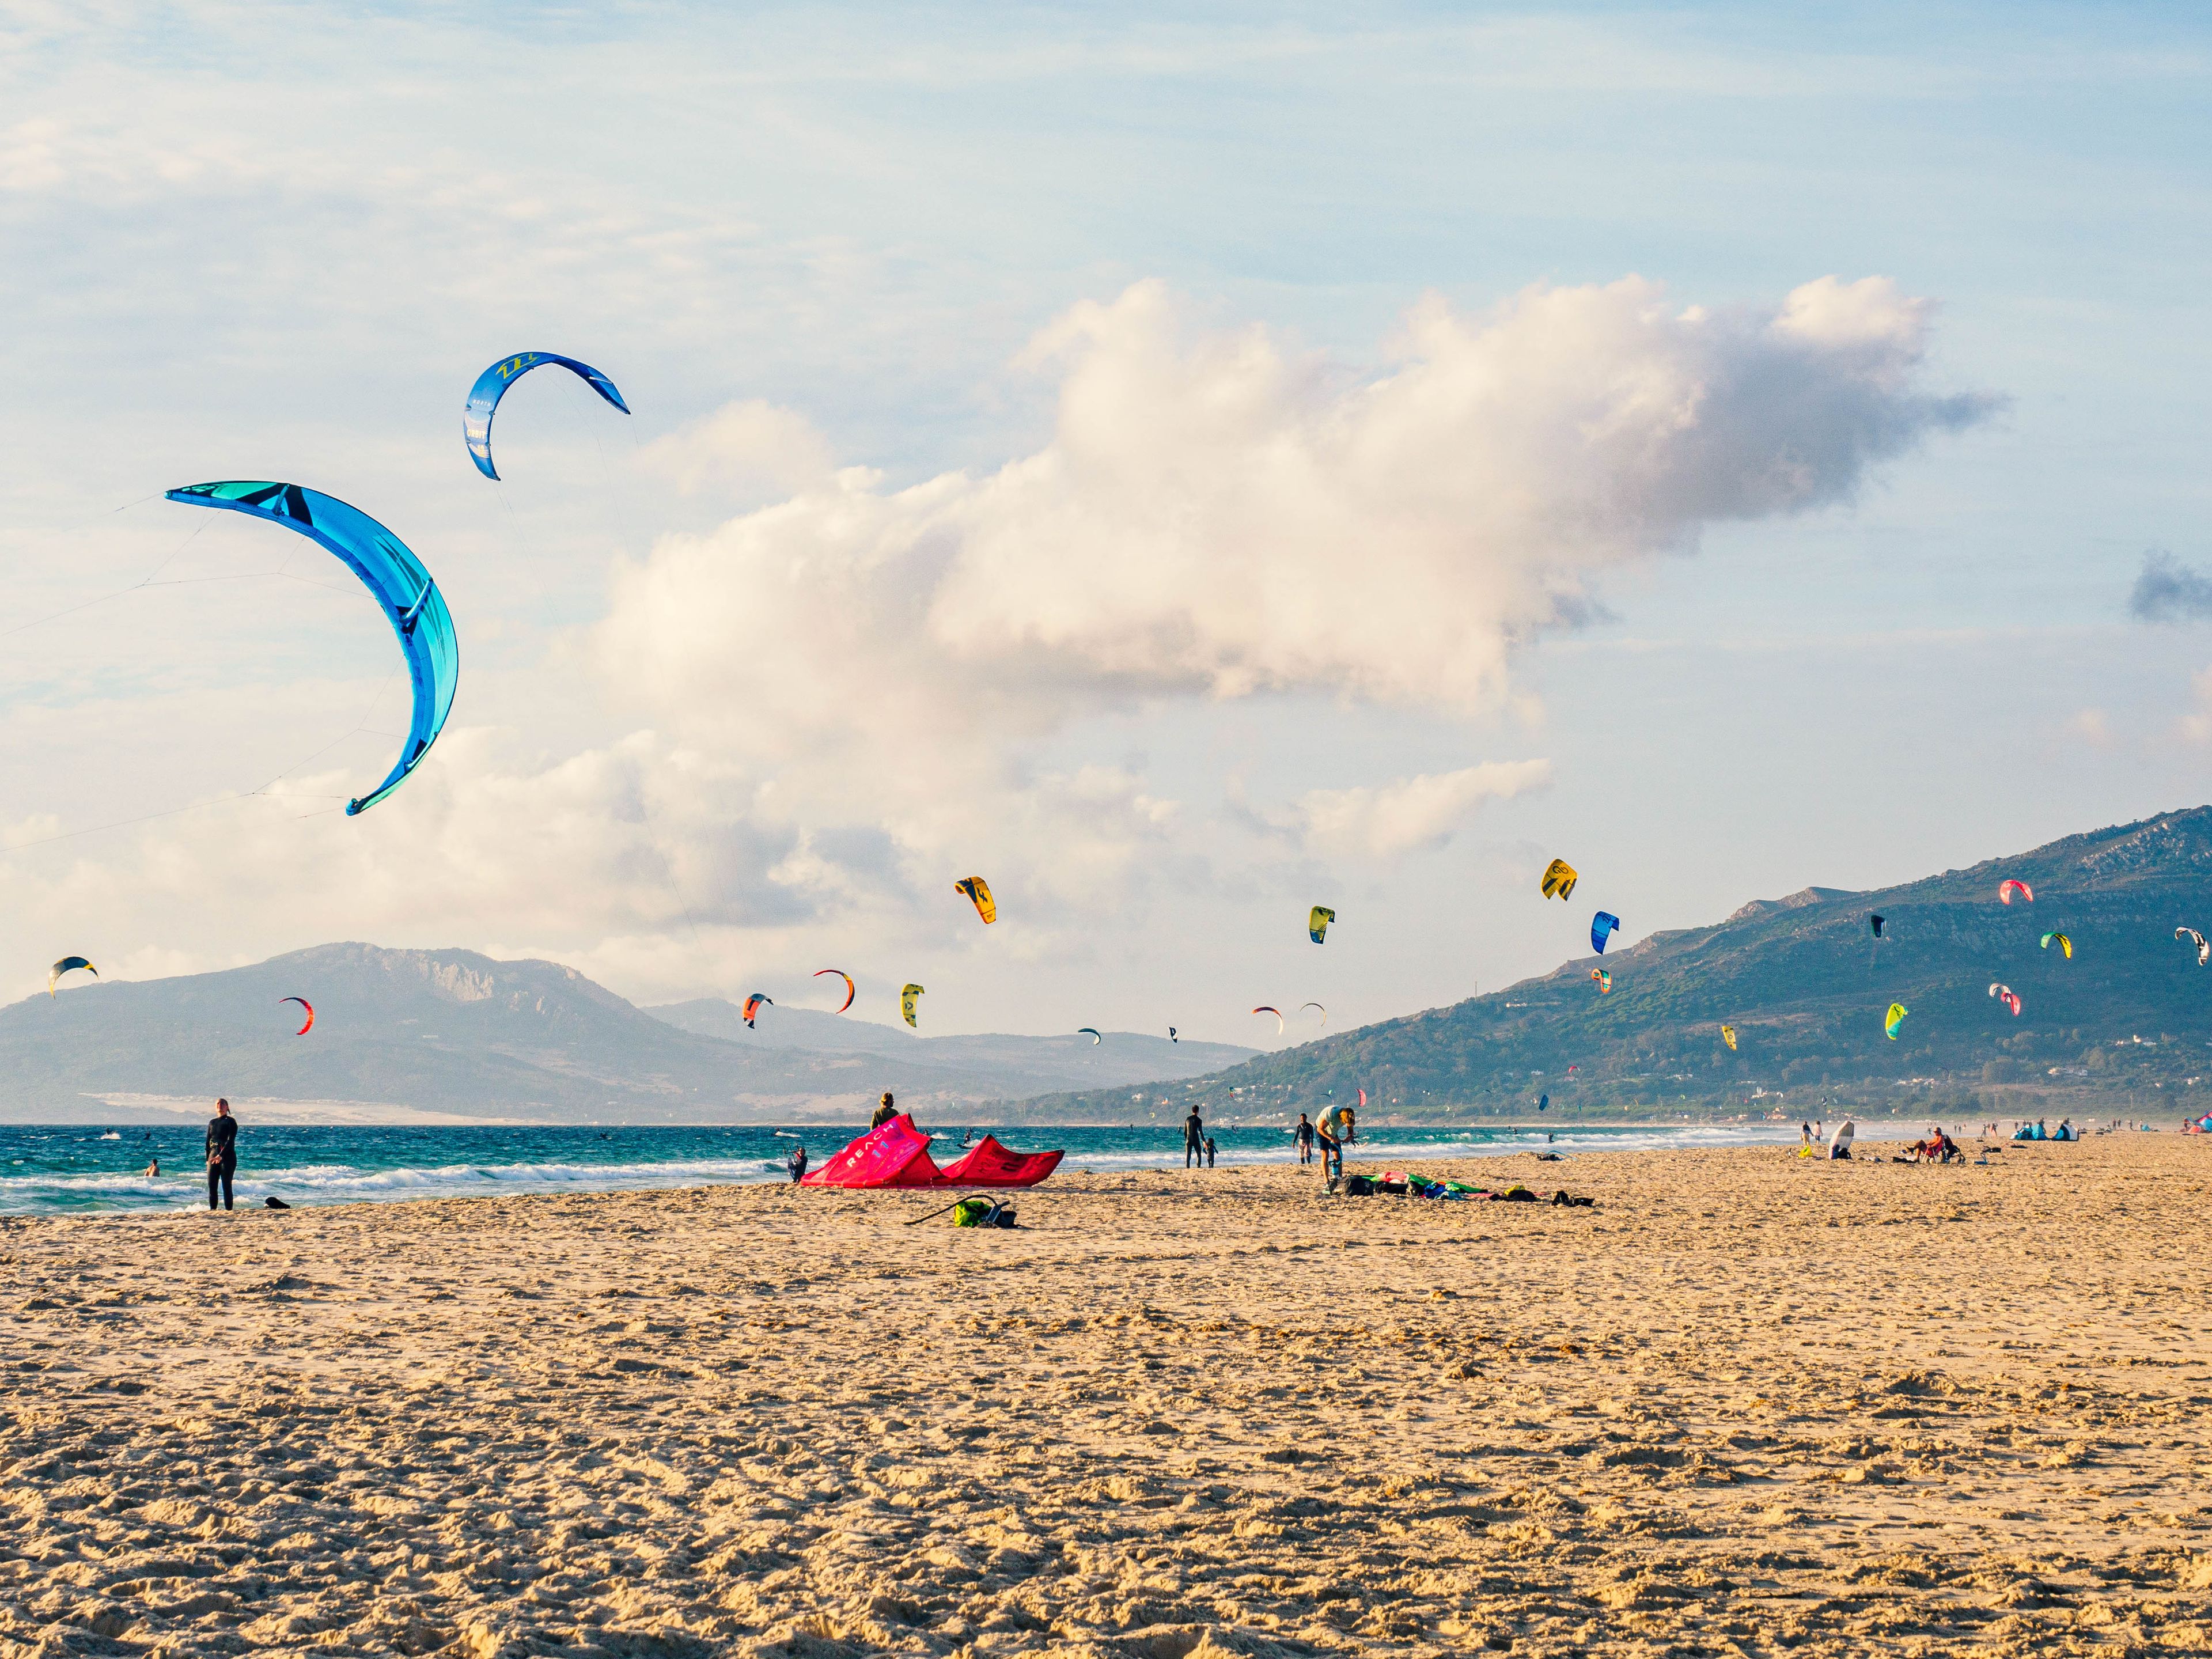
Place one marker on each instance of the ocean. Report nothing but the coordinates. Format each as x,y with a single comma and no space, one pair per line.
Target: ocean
80,1169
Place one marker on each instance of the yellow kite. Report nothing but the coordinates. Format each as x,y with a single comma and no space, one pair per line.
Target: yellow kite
979,891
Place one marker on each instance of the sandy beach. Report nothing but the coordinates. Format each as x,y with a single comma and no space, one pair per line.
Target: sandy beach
1746,1404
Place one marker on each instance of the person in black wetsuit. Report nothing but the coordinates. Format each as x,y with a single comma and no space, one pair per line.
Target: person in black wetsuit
1193,1139
221,1152
797,1164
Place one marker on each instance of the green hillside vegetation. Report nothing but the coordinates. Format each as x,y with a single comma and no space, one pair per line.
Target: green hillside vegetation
2126,1025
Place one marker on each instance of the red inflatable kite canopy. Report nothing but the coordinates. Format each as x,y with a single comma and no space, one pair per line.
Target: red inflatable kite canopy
990,1164
897,1154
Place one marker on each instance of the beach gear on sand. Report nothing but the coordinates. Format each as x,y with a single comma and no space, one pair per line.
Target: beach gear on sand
897,1154
982,1213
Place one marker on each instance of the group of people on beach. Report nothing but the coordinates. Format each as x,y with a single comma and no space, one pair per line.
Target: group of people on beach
1325,1138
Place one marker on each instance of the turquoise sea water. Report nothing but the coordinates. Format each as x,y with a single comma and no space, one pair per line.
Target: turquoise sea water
82,1168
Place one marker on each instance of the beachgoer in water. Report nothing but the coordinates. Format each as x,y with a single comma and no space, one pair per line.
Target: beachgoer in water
154,1167
885,1113
221,1152
1209,1151
1305,1133
1193,1139
797,1164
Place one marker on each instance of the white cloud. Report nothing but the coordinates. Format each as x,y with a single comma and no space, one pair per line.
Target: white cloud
2093,726
2197,727
1214,516
741,445
1409,814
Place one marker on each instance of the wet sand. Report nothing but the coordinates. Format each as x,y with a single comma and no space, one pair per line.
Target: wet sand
1748,1404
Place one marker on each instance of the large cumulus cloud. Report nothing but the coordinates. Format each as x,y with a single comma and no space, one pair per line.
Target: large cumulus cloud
1215,515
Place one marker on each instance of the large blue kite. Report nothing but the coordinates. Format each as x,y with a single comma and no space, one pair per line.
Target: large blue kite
1601,927
491,385
404,589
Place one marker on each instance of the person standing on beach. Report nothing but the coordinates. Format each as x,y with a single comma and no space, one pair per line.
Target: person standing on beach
221,1152
1193,1139
797,1164
1305,1133
885,1113
1209,1151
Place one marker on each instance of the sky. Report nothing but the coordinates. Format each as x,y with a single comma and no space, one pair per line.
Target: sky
1185,467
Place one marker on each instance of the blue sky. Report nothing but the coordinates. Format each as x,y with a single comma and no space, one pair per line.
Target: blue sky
241,242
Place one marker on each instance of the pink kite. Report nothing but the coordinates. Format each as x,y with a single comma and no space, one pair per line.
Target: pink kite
991,1165
893,1154
897,1154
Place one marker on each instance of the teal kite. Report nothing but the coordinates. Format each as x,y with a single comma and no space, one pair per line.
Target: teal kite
405,594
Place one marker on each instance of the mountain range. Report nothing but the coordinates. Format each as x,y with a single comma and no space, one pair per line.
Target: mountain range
432,1036
1802,981
2123,1022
